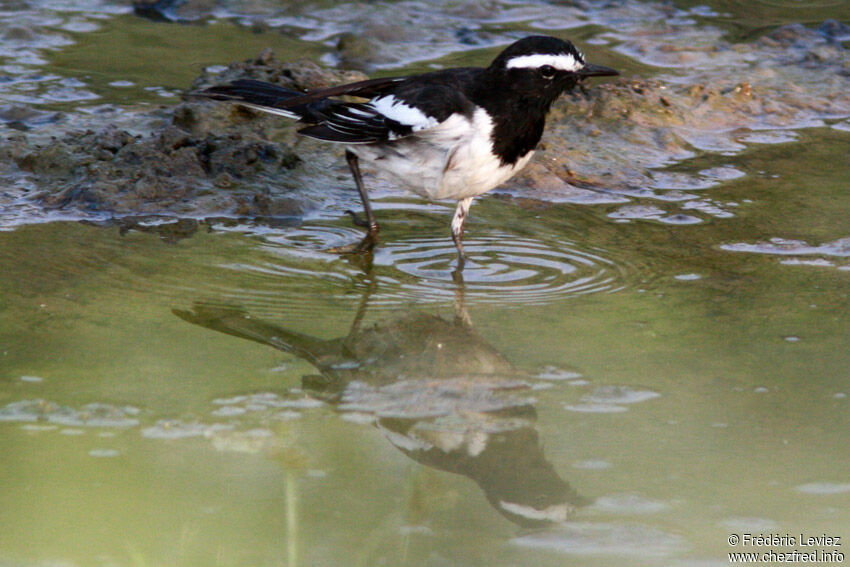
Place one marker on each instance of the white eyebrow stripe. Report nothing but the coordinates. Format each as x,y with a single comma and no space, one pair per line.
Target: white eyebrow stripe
562,62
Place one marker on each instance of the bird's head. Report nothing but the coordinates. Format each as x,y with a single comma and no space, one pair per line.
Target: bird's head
544,66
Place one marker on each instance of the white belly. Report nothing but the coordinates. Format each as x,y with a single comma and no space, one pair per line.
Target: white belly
450,161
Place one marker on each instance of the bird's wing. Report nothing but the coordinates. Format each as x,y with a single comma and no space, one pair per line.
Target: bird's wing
383,118
275,99
399,106
352,123
414,106
364,89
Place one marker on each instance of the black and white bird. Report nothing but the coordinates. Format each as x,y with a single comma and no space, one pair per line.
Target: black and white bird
449,134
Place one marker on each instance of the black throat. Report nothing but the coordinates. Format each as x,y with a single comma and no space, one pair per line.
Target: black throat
518,118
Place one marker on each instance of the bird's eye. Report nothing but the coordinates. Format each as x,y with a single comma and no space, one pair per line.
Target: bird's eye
547,71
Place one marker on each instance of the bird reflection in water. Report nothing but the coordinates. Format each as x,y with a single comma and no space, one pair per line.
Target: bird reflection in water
438,392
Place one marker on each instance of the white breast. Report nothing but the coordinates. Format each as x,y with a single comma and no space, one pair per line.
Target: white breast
471,167
452,160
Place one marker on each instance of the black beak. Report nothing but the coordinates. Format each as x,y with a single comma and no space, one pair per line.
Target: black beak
591,70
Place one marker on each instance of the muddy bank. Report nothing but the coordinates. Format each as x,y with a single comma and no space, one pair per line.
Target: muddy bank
604,143
201,159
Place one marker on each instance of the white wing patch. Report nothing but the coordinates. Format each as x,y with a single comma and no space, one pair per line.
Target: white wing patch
397,110
562,62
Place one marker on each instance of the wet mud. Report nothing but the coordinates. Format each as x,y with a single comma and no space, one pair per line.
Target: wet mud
203,159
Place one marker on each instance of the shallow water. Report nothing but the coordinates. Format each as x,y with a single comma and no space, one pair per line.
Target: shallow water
604,386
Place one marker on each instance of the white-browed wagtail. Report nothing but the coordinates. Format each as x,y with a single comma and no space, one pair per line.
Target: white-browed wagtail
449,134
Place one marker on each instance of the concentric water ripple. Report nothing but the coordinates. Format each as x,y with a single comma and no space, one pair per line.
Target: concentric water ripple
294,272
500,268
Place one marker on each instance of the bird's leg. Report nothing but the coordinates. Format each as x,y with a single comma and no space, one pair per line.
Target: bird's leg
366,245
370,223
457,227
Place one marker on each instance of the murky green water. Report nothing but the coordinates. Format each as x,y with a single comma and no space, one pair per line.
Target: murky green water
218,393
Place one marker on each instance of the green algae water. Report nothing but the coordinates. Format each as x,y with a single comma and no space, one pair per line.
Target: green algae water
697,393
605,384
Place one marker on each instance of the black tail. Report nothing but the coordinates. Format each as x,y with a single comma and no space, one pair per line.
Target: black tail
259,95
251,91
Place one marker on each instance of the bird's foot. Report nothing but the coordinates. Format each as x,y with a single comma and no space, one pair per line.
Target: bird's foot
360,221
365,246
